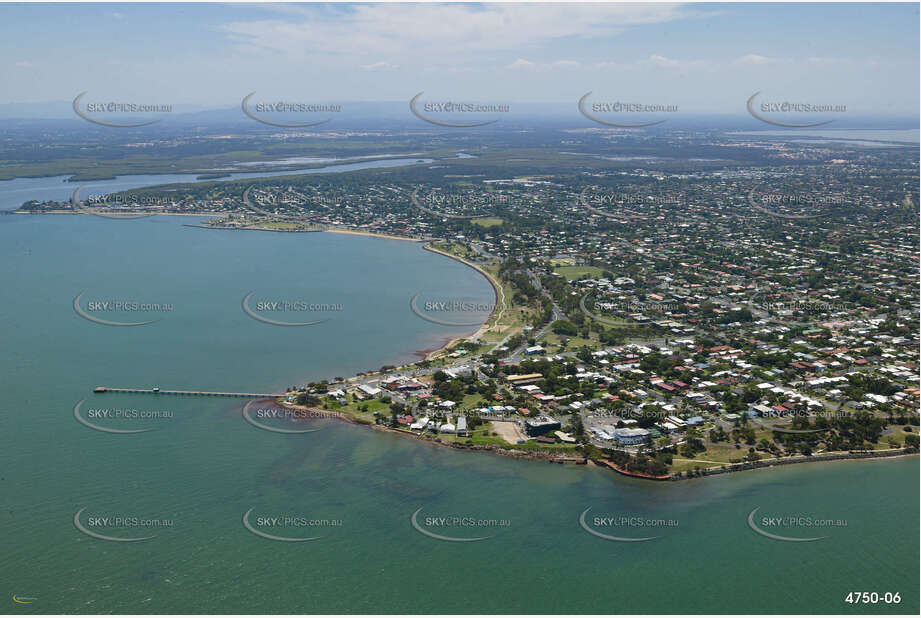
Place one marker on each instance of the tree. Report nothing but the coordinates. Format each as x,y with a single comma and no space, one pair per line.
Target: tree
565,328
305,399
578,429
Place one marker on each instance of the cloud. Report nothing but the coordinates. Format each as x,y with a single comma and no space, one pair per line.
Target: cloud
672,63
522,64
617,66
380,66
24,64
565,64
753,59
526,65
438,30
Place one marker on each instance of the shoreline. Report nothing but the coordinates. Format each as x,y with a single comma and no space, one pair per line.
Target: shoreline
517,453
497,292
581,460
513,453
426,354
332,230
766,464
375,235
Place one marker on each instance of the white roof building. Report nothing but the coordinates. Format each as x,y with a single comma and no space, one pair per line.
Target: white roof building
369,390
420,423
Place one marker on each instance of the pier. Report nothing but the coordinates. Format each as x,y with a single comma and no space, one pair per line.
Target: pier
159,391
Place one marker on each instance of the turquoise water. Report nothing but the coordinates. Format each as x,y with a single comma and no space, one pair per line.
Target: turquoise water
204,466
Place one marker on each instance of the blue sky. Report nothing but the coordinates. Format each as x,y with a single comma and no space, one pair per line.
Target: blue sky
703,57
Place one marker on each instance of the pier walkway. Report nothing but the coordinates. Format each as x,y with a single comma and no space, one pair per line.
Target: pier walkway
159,391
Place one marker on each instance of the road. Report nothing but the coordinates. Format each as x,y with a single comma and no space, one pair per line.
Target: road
557,314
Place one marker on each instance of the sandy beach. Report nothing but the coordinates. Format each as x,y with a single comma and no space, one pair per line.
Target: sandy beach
375,235
498,300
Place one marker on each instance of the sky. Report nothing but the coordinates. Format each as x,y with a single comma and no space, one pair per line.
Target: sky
705,58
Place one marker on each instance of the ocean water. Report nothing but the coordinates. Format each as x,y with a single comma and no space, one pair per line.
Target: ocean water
189,482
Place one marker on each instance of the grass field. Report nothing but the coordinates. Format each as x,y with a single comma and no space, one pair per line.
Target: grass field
455,248
514,316
488,222
285,226
577,272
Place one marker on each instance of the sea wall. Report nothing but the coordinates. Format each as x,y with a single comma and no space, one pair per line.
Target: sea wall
770,463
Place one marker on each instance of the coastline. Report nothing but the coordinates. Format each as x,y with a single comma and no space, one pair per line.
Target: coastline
562,456
796,460
514,453
423,354
214,214
497,295
375,235
581,460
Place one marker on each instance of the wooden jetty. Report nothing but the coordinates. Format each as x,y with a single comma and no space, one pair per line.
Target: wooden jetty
158,391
